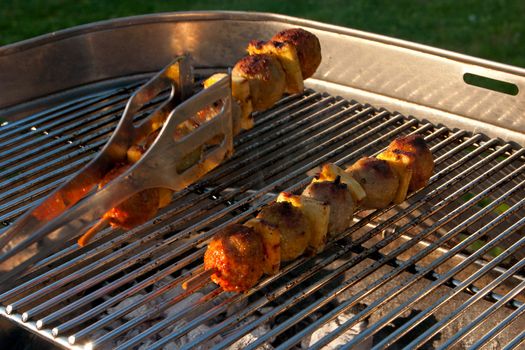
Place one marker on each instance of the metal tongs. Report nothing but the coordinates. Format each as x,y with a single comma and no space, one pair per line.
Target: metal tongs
75,206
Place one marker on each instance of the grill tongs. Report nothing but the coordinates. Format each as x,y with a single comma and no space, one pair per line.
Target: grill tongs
75,206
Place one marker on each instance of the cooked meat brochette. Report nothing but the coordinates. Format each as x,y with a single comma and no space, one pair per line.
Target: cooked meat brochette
258,81
286,53
296,224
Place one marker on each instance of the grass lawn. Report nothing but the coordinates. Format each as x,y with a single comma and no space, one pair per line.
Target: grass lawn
492,29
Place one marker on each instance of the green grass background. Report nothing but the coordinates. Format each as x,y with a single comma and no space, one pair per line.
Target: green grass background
492,29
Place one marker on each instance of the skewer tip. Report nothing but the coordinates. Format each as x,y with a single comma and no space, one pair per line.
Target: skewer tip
198,280
86,237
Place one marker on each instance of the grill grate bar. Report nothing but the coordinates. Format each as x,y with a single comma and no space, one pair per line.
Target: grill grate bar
474,277
51,173
70,157
82,334
292,283
57,134
128,277
394,336
47,141
477,322
11,128
49,176
64,116
344,306
281,115
74,322
496,330
77,148
230,166
515,342
89,128
159,326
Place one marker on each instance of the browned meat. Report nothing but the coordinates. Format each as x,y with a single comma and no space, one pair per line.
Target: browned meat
135,210
286,53
293,225
266,79
236,256
57,203
341,202
423,165
378,179
307,46
271,238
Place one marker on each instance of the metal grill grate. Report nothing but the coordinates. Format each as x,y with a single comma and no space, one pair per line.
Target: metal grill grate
445,267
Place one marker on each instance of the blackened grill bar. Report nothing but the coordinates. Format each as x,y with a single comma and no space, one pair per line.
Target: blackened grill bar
122,289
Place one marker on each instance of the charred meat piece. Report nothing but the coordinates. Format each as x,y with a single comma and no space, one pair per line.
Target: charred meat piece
293,225
341,202
307,46
378,179
316,212
423,165
286,53
236,256
135,210
266,79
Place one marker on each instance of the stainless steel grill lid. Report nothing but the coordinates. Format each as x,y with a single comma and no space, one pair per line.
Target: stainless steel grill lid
444,268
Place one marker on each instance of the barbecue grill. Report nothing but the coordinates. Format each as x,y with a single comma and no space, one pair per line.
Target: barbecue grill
444,269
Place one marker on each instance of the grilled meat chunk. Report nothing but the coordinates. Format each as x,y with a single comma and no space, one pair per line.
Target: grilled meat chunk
58,202
286,53
341,202
307,46
316,212
378,179
236,255
293,225
402,164
135,210
266,79
330,172
271,238
423,164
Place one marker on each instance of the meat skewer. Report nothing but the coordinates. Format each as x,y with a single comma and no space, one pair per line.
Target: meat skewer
302,224
259,80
